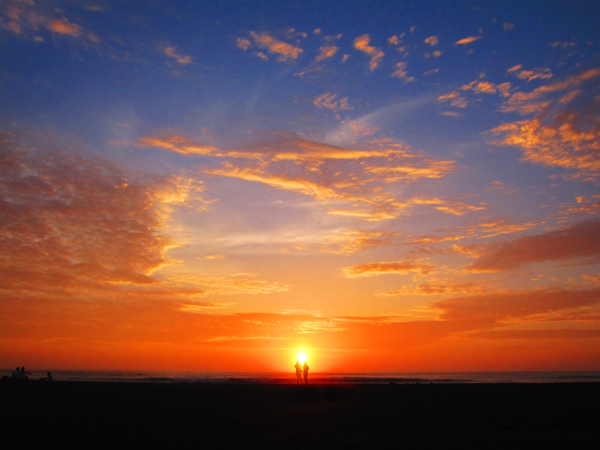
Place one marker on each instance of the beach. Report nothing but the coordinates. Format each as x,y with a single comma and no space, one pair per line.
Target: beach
235,415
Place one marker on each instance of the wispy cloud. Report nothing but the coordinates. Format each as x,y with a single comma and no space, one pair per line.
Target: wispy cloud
228,285
180,58
466,287
373,269
467,40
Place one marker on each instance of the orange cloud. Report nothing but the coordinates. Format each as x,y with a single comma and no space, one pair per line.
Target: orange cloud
467,40
580,242
383,268
518,305
82,228
326,100
243,43
428,169
432,40
362,43
456,99
400,72
64,27
568,333
177,144
466,287
447,206
557,136
326,51
285,182
285,51
499,186
223,285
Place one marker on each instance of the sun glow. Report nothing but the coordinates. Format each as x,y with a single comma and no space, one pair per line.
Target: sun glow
302,357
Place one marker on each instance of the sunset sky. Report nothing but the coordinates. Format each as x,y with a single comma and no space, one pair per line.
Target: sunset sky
214,186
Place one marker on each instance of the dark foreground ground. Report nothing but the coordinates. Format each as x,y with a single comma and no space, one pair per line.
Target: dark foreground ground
128,415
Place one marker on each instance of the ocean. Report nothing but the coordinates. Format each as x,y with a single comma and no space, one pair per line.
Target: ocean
315,378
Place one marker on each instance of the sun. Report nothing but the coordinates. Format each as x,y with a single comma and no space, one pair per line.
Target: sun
302,357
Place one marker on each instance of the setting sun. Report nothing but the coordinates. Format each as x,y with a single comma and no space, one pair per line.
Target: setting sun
302,357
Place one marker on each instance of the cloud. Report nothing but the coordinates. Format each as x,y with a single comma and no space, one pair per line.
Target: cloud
516,306
484,87
499,186
456,100
394,40
562,134
82,227
432,40
467,40
447,206
326,100
326,51
412,172
561,45
29,20
181,59
568,333
64,27
174,143
285,51
243,43
466,287
401,73
538,72
362,43
296,184
451,114
578,243
373,269
508,26
348,242
228,285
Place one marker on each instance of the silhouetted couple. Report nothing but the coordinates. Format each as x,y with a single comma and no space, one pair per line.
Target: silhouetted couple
299,369
19,374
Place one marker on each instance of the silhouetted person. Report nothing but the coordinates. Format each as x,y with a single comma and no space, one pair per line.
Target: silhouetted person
298,367
23,374
305,370
48,378
15,374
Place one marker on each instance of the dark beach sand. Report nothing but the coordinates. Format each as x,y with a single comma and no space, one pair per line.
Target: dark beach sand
138,415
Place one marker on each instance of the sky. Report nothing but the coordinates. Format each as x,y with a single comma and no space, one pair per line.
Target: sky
216,186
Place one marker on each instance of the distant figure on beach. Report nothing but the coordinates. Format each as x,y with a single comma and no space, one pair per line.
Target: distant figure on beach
48,378
15,374
305,369
298,367
23,374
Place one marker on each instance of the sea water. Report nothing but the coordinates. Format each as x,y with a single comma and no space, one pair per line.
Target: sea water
315,378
